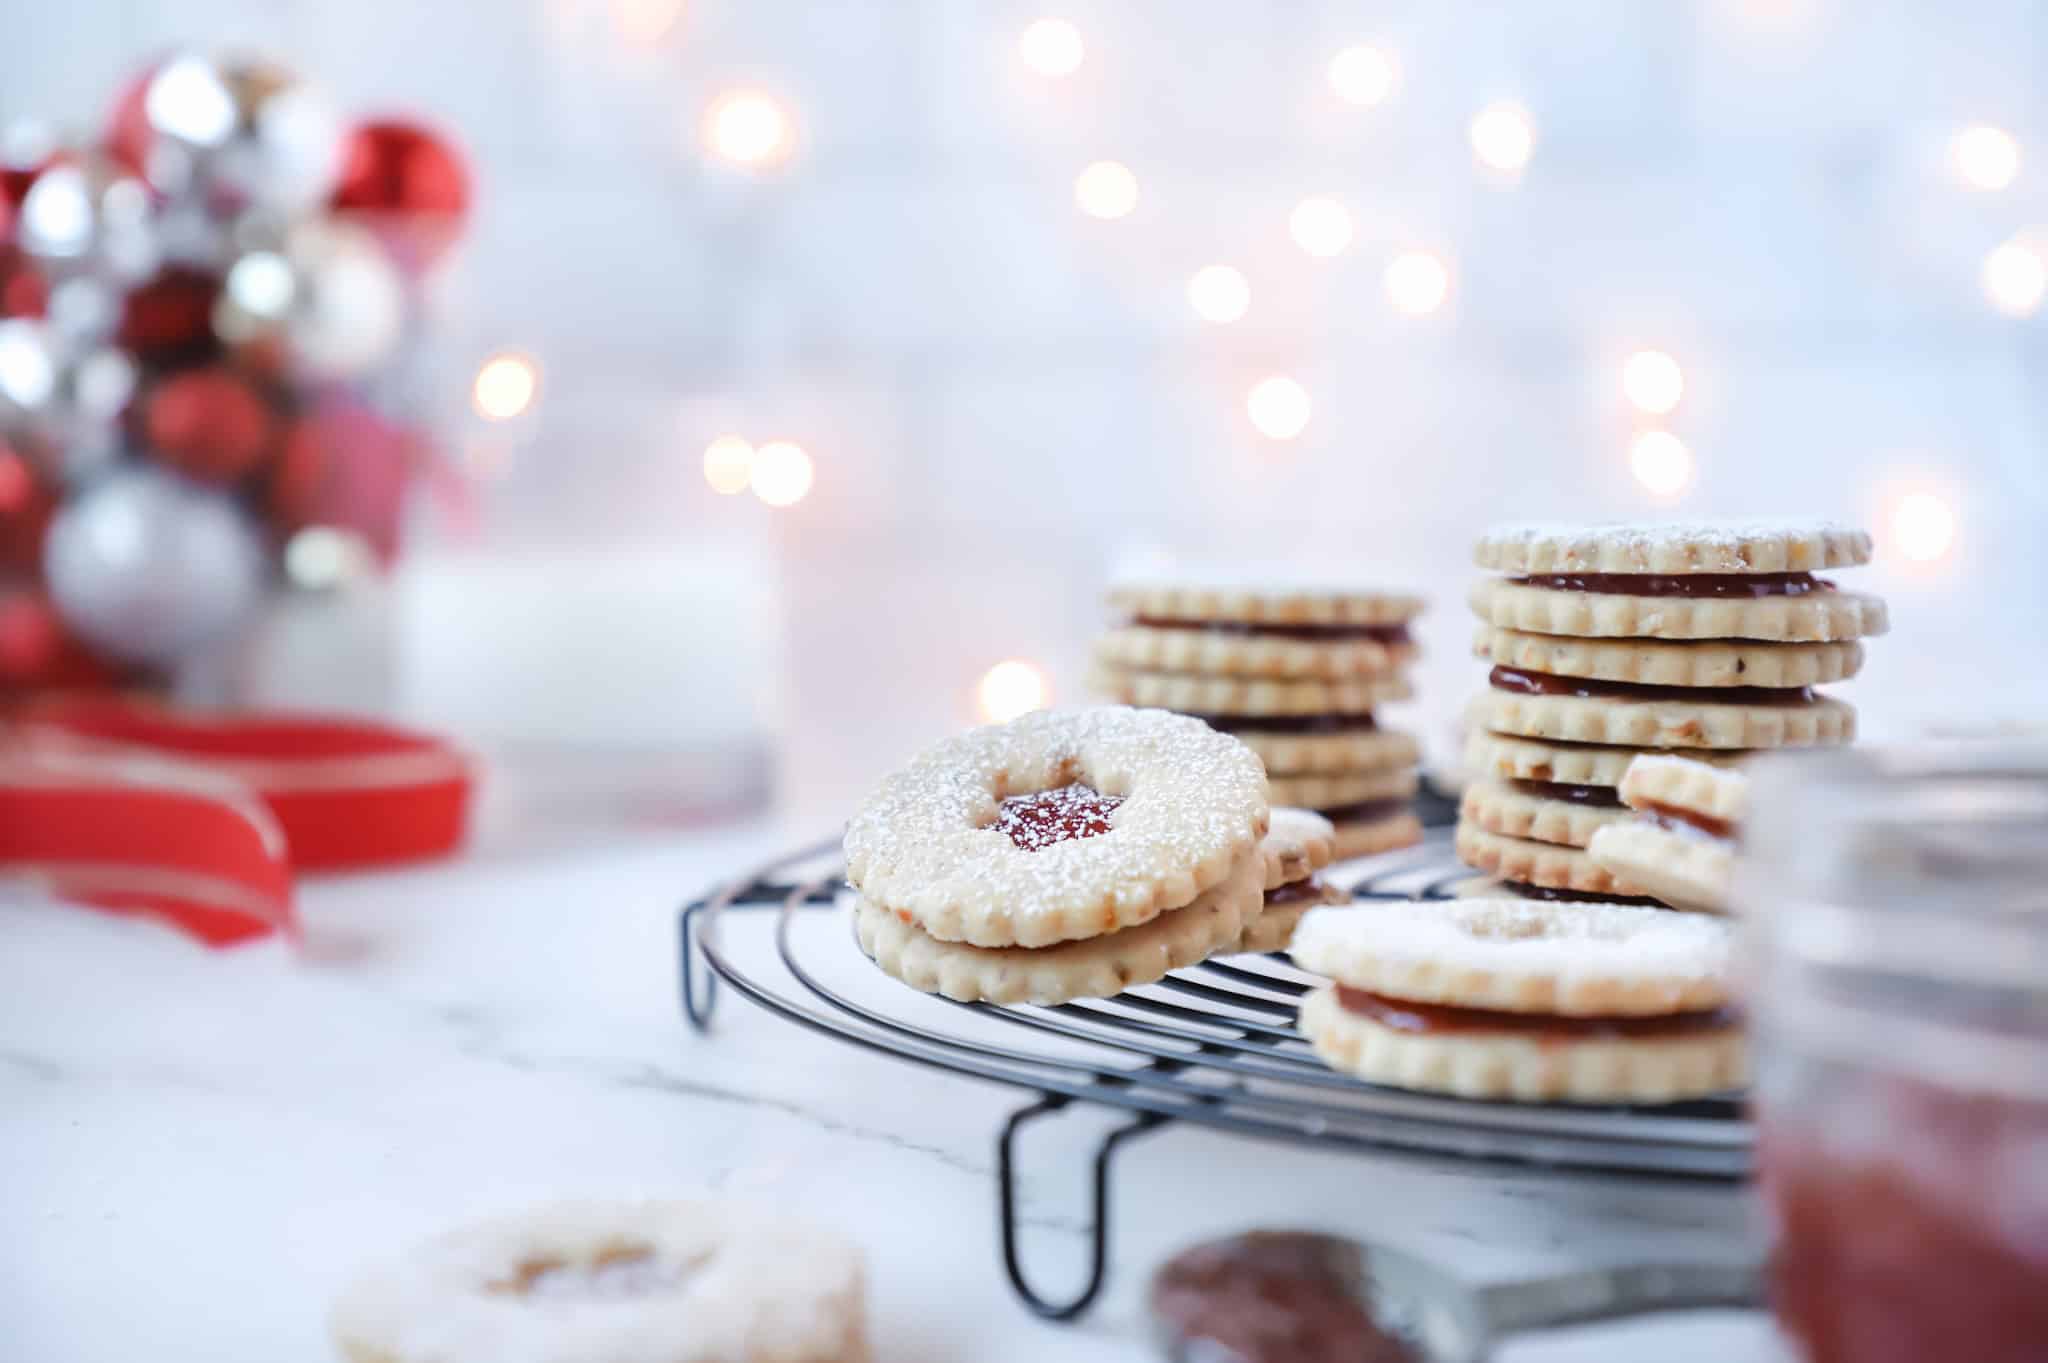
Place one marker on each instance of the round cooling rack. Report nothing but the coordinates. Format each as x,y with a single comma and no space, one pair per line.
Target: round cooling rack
1213,1044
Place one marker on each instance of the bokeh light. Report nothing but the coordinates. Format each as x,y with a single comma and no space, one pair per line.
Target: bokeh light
1279,407
1106,190
1320,226
1012,688
1417,282
749,128
1052,47
1503,137
505,387
1923,527
1985,157
1363,74
643,23
729,465
320,557
1219,293
2014,278
781,473
1652,381
1661,463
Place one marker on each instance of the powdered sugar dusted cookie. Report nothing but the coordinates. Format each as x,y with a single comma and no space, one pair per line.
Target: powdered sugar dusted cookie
1505,998
1674,719
1548,865
1624,607
1195,694
1299,843
1096,967
1322,748
1509,757
630,1282
1340,789
1713,664
1745,546
1517,955
1569,815
1203,598
1058,826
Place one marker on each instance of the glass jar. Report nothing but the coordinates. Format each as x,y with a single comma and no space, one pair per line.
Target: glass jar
1897,903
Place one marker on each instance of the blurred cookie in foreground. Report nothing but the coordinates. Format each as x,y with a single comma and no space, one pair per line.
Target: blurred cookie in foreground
1680,843
614,1282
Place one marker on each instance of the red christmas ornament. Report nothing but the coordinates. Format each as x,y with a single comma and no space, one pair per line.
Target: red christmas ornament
23,293
26,507
410,182
36,651
208,423
17,176
128,132
298,484
173,311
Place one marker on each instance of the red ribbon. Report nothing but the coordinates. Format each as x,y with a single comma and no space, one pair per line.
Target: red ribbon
200,818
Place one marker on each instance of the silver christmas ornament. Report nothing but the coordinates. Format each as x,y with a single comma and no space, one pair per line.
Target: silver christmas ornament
347,308
61,402
148,567
86,217
235,135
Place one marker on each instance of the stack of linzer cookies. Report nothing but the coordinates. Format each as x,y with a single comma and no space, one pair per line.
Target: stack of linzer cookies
1075,854
1693,642
1296,673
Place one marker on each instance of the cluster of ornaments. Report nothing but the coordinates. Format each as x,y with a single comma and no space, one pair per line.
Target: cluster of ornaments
202,317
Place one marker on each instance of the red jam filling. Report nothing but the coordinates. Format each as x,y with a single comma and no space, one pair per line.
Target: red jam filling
1598,797
1550,894
1929,1241
1525,683
1385,634
1428,1018
1679,820
1274,1297
1290,724
1365,811
1038,820
1700,585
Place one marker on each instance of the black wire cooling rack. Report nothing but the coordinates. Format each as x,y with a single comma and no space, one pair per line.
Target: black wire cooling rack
1214,1044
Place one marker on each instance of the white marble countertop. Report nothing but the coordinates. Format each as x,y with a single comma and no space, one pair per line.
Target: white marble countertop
198,1148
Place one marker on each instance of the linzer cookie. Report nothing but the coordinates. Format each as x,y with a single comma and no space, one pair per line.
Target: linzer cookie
603,1282
1299,844
1610,641
1296,672
1545,865
1681,845
1325,652
1509,757
1191,693
1062,855
1718,664
1508,998
1542,811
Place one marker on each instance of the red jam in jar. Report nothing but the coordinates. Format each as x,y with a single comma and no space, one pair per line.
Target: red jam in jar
1897,983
